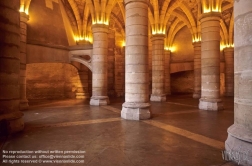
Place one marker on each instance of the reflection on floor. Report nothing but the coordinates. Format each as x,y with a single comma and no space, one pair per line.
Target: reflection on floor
177,135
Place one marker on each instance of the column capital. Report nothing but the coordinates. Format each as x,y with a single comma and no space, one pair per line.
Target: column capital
210,16
228,49
132,1
167,51
157,37
100,28
24,17
197,44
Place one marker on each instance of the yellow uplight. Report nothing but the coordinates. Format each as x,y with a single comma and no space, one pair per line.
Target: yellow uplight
196,39
157,29
211,9
172,48
206,10
123,43
76,38
87,38
222,46
100,22
211,6
160,31
22,9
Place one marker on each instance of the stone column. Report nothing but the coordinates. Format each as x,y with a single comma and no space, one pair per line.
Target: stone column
123,69
119,72
158,88
111,63
150,62
10,117
99,65
239,141
137,105
23,33
167,72
197,70
229,71
210,62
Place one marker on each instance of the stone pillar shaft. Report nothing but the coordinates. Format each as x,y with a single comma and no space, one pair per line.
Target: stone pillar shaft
111,63
167,72
136,104
150,62
239,139
197,70
229,71
119,72
210,62
158,89
23,33
123,69
99,65
10,117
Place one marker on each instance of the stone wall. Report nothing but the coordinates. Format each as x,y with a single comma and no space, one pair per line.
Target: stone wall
51,81
182,82
182,75
46,24
183,48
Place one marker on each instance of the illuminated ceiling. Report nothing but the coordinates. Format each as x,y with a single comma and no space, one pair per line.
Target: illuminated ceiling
165,16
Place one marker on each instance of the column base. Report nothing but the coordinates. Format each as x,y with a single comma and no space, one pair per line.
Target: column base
82,95
23,105
229,94
135,111
210,104
196,95
158,98
99,100
238,146
11,123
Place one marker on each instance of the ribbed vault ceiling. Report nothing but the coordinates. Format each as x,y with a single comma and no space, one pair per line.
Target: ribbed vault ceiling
171,15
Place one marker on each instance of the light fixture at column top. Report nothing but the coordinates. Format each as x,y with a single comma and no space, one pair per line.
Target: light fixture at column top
222,46
123,43
211,6
172,48
196,39
87,38
23,10
105,22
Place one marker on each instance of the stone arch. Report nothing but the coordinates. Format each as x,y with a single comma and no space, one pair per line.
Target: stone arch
83,56
80,59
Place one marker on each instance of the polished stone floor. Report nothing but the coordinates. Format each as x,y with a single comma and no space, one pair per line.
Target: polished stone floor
178,134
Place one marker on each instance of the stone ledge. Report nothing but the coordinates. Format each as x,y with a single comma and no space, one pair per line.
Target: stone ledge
136,105
99,100
158,98
210,104
135,113
238,151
